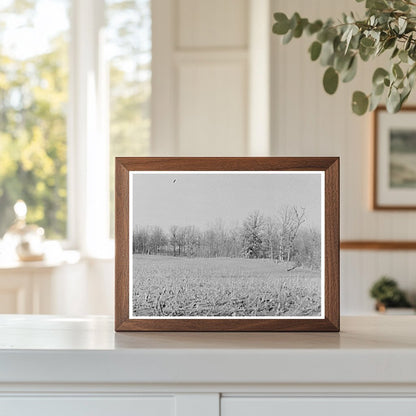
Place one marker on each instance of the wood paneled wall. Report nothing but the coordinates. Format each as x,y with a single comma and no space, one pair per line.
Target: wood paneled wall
218,80
308,122
203,67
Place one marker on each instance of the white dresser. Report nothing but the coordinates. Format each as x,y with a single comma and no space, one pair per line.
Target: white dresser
52,365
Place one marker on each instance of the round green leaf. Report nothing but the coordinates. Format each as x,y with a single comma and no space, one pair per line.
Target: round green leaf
397,71
367,42
404,95
378,90
389,43
359,103
330,80
408,42
366,53
288,37
300,25
314,27
281,27
393,101
379,75
327,54
374,102
395,52
342,61
322,36
294,20
351,71
315,50
403,56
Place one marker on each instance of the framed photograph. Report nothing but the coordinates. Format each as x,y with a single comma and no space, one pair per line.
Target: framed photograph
394,179
227,244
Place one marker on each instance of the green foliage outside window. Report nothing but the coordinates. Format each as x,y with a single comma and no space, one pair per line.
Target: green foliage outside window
129,43
33,99
34,103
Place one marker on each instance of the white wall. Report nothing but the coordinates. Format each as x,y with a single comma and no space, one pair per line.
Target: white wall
211,93
200,76
308,122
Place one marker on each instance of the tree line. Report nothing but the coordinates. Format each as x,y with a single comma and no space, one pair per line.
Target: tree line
282,238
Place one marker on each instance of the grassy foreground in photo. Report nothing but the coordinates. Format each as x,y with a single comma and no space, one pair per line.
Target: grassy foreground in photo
185,286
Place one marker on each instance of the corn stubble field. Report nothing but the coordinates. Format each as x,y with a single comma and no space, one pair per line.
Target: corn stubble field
185,286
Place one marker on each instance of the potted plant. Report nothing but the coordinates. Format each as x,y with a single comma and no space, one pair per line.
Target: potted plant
389,27
387,294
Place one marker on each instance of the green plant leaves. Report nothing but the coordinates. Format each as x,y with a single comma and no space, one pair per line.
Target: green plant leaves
387,291
315,50
330,80
327,53
314,27
393,100
281,27
351,71
403,56
379,75
376,4
359,103
397,71
339,44
374,102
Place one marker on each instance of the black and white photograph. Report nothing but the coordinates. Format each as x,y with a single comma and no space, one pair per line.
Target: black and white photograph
226,244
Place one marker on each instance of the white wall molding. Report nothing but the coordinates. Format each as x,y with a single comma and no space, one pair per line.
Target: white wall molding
212,55
210,77
259,82
87,131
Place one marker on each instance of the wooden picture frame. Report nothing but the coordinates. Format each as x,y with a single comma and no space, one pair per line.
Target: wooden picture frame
129,202
394,184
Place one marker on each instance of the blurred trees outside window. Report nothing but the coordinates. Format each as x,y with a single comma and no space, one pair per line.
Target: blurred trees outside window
33,100
129,51
35,68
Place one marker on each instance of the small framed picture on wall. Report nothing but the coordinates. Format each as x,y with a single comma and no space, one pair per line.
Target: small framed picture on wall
394,177
227,244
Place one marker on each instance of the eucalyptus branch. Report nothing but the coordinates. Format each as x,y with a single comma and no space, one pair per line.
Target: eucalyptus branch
389,25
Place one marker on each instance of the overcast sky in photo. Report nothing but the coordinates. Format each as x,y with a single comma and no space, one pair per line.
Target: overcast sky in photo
200,199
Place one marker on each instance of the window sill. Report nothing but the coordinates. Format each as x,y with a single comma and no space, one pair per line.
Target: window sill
63,258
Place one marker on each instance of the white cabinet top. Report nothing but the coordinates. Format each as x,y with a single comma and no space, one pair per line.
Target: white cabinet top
49,349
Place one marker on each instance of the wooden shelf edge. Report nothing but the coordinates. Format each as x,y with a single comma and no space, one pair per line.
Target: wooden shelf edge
378,245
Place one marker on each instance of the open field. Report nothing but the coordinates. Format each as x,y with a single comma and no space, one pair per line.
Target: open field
403,170
183,286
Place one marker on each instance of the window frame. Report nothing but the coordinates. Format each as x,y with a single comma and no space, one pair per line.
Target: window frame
88,133
87,128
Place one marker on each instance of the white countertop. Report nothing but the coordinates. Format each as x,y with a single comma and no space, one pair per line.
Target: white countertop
53,349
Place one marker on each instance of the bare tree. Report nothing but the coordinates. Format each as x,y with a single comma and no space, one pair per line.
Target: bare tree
173,240
281,237
298,218
141,240
291,219
181,240
271,237
191,240
157,239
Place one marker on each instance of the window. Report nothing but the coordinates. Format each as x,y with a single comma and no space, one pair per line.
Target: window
129,46
33,97
75,87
